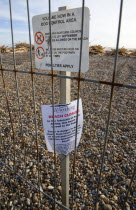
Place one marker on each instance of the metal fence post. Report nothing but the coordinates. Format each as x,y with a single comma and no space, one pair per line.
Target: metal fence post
64,98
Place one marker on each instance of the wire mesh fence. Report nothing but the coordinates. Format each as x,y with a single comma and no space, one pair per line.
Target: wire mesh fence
102,168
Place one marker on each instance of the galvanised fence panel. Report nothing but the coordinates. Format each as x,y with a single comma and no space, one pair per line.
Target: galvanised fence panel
102,169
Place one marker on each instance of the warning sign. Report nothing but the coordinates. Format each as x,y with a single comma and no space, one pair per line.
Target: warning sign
65,116
40,53
65,38
39,38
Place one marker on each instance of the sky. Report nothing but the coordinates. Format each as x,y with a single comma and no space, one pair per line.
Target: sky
104,17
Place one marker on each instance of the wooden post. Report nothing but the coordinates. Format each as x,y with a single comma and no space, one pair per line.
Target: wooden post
64,99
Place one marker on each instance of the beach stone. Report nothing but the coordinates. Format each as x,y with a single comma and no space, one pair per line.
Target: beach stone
15,202
27,170
92,179
115,198
85,187
122,189
44,186
82,206
59,188
31,164
77,200
35,198
10,203
50,187
11,163
107,207
134,194
28,201
104,198
34,170
22,199
114,181
127,206
41,189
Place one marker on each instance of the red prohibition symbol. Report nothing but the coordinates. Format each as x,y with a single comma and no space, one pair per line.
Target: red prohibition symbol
39,38
40,53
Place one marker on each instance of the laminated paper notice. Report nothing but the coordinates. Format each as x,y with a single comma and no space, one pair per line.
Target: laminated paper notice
65,116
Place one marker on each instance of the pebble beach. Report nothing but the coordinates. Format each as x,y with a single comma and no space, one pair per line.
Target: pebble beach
19,152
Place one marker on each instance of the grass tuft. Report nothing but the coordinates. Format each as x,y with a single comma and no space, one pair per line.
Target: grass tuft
96,49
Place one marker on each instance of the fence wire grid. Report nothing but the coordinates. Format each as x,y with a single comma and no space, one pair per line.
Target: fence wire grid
102,168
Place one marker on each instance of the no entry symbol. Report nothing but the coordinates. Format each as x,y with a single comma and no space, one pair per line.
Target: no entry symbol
40,52
39,38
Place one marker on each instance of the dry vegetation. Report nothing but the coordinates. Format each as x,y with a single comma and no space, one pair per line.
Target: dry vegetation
95,49
24,45
98,49
133,52
3,49
121,51
19,47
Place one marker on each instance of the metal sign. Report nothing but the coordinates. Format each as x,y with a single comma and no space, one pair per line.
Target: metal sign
66,40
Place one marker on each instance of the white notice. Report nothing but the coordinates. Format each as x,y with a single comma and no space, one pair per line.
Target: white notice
65,126
66,40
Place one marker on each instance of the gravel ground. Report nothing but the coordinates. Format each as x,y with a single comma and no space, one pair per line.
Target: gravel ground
120,153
